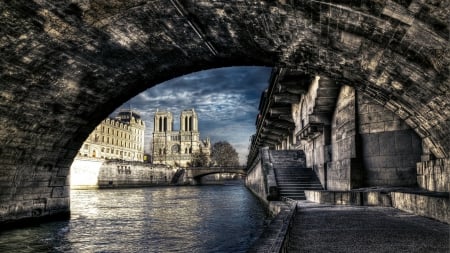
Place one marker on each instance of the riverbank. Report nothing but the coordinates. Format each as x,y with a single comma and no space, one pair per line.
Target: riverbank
90,173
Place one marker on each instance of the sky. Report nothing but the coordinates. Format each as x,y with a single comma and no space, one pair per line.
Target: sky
226,101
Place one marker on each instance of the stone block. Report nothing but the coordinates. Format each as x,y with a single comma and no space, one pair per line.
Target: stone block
370,145
394,125
326,197
387,143
403,143
391,106
60,192
375,108
410,122
58,204
371,198
406,176
428,206
24,191
63,171
409,161
364,128
384,116
43,176
57,181
363,108
366,119
377,127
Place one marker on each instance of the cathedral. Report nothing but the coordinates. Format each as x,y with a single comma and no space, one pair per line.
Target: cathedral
177,148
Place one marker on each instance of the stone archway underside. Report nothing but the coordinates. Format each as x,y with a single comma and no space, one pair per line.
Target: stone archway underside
66,65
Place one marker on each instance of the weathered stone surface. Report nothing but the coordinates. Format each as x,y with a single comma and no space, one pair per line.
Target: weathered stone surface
434,175
428,206
66,65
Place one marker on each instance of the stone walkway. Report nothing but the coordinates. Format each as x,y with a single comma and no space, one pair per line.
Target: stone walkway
325,228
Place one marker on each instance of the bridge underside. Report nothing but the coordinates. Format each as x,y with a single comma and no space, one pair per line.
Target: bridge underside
66,65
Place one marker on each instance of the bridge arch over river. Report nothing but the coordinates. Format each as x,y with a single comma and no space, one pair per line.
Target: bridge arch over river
66,65
196,173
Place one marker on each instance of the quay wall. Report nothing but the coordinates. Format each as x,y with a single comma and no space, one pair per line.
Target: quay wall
96,173
255,181
261,177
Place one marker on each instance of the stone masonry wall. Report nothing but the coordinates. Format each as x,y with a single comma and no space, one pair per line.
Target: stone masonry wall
390,149
317,154
434,175
344,170
131,174
27,194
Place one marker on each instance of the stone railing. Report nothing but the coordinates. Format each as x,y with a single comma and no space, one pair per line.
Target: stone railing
261,177
271,182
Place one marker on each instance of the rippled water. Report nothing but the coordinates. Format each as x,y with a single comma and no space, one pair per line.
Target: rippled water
161,219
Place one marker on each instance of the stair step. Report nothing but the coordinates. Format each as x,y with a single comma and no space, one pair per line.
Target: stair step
294,195
298,187
298,183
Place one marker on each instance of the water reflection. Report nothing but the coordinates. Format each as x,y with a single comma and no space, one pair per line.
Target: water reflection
170,219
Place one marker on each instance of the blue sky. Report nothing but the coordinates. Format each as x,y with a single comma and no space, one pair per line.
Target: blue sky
225,99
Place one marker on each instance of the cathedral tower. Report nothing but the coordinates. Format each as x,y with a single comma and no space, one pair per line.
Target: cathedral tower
177,147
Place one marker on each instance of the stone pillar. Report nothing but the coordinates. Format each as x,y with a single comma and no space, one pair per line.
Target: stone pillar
344,171
183,125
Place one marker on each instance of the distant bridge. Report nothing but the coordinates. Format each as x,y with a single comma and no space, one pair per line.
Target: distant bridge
198,172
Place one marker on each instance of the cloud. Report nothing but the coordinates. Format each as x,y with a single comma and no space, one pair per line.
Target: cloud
225,99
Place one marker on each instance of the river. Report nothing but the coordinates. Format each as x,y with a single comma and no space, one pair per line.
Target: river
214,218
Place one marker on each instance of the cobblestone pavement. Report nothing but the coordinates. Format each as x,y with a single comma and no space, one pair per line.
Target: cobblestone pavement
325,228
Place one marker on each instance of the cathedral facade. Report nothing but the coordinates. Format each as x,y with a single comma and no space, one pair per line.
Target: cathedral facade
177,148
121,138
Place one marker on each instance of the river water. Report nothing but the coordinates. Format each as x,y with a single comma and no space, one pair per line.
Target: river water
216,218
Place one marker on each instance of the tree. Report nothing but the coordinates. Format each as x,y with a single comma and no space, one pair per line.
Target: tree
223,154
199,159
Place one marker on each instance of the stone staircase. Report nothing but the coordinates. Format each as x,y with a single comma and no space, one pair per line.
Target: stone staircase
177,176
292,176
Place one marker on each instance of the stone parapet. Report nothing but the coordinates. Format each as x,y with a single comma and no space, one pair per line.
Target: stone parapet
357,198
429,206
261,177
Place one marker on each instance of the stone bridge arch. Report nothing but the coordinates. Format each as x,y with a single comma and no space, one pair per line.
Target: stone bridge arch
201,172
66,65
195,174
